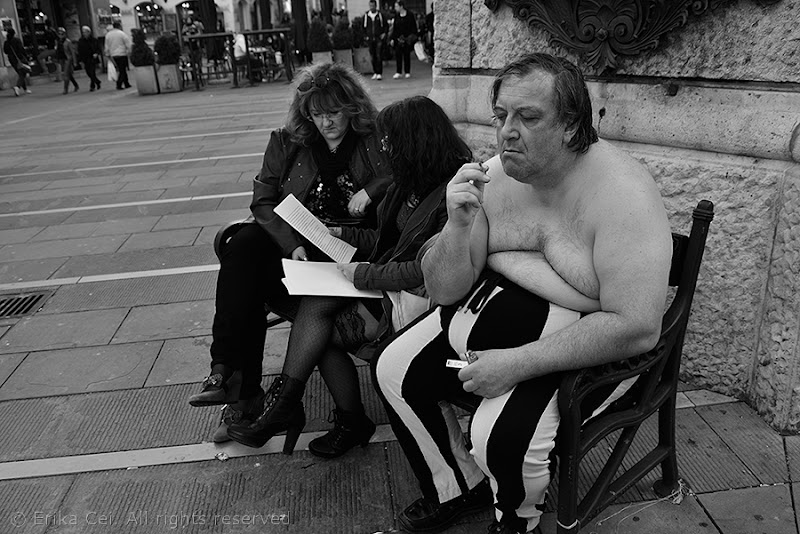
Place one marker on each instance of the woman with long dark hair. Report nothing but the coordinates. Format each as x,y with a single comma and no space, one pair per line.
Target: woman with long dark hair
328,156
424,151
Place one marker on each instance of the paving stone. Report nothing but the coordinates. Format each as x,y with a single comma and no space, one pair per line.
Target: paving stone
765,510
143,260
156,184
88,191
82,182
236,203
750,438
119,198
196,220
61,248
132,292
18,235
705,460
275,348
25,186
792,445
181,361
64,372
206,237
682,401
159,240
31,506
703,397
8,362
64,330
653,517
25,271
132,225
26,221
166,321
66,231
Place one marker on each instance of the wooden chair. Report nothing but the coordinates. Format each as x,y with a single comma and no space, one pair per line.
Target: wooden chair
654,390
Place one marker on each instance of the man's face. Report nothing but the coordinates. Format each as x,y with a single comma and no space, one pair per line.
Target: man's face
529,136
86,33
373,7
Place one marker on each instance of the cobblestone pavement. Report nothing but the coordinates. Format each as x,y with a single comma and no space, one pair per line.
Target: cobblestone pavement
109,202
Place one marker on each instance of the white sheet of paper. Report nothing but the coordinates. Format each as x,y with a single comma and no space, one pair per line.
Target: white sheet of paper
319,278
302,220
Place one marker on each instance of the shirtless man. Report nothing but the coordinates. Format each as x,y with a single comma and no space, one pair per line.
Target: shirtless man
578,236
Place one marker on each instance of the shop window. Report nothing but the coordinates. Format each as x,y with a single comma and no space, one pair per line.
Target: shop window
150,17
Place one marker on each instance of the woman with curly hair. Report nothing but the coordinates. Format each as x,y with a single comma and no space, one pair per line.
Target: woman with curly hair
424,152
328,156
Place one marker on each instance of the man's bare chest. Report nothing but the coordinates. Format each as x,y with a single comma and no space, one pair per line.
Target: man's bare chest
560,236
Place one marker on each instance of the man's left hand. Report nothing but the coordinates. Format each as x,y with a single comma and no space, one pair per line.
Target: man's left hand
487,376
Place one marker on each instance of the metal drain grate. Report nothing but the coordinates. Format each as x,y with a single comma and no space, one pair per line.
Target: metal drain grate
21,305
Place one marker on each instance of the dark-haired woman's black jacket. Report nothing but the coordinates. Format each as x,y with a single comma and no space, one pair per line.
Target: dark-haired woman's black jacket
398,267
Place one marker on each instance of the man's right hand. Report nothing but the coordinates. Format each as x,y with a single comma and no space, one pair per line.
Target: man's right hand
465,194
299,254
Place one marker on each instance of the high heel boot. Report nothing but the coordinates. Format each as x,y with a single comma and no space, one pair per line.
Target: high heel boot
242,412
283,410
349,429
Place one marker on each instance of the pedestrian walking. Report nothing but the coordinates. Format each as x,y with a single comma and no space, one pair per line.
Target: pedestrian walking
16,55
404,35
118,48
89,55
67,57
50,40
375,28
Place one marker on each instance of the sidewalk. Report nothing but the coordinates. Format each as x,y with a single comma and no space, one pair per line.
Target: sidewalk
109,202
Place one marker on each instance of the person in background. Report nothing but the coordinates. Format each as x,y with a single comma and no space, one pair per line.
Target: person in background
89,55
429,18
67,56
118,48
375,28
424,150
191,28
242,56
328,155
50,39
16,55
404,35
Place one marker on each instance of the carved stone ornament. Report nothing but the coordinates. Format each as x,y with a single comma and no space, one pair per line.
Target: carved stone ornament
601,30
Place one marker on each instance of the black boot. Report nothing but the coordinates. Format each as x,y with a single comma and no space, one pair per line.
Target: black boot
511,525
350,429
283,411
243,412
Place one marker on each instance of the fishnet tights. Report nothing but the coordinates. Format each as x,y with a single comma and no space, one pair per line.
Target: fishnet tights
314,342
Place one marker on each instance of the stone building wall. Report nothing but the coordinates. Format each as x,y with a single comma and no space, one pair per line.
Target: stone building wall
714,113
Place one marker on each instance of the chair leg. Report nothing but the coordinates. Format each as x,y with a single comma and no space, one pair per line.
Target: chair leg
567,515
666,438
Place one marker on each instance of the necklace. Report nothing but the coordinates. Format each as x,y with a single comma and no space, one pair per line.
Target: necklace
334,149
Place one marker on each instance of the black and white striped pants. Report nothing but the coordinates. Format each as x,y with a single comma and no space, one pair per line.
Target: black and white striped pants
512,435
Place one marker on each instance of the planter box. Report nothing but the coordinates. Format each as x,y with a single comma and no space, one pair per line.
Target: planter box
321,57
146,80
169,79
362,61
343,56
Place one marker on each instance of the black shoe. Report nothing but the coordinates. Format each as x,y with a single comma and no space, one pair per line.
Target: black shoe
349,429
218,390
425,515
243,412
91,89
127,86
283,411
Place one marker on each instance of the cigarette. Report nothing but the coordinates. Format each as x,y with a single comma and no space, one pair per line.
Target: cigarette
456,364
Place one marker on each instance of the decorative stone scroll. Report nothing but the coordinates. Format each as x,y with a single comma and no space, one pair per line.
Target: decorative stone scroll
602,30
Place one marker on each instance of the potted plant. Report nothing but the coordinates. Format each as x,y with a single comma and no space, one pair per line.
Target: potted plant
168,53
318,42
362,61
343,42
143,61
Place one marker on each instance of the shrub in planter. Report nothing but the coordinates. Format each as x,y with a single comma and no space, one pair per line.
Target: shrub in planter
168,52
343,43
319,44
362,61
143,61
